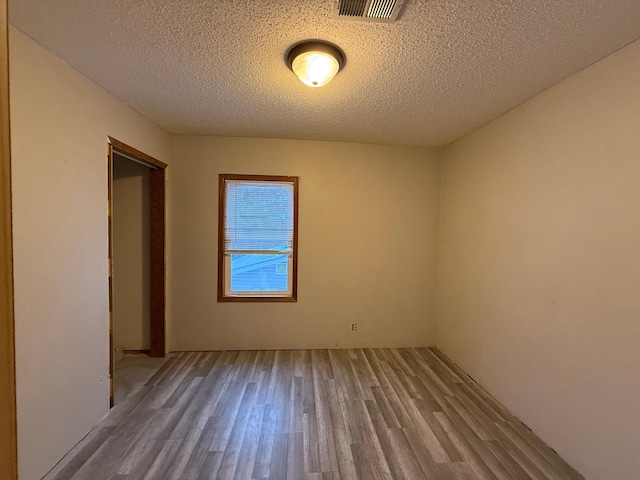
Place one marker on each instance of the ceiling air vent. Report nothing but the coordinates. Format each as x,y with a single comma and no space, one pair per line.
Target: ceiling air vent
384,11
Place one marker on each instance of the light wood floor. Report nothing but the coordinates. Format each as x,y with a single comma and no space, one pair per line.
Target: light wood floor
315,415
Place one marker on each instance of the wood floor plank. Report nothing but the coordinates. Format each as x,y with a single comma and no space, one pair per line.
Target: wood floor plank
232,447
295,464
462,444
346,384
478,407
248,450
82,456
356,414
470,383
422,454
544,450
454,455
431,393
385,407
369,463
280,457
461,471
396,394
326,444
403,455
516,472
482,430
163,460
310,438
539,460
385,439
428,439
444,372
364,378
480,448
225,414
210,466
173,380
264,450
312,463
341,438
143,461
364,435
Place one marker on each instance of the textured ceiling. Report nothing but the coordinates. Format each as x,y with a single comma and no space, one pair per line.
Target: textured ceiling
217,67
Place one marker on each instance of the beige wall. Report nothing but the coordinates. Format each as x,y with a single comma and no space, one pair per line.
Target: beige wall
367,234
130,210
539,272
59,126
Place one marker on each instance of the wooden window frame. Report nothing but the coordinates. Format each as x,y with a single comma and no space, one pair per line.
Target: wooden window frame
293,297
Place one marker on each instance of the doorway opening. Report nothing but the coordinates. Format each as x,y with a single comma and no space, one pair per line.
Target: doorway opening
136,199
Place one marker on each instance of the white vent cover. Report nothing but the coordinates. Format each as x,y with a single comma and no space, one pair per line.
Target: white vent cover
385,11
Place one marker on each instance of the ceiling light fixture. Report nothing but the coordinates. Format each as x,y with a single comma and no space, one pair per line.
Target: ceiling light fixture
315,62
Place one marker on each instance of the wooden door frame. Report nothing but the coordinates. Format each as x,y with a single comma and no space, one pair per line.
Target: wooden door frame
157,247
8,432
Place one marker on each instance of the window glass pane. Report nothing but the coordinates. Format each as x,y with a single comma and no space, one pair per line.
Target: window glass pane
259,216
259,273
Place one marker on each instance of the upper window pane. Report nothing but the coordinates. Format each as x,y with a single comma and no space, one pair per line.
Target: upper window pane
259,216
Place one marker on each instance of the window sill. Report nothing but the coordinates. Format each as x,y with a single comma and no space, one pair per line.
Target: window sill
256,299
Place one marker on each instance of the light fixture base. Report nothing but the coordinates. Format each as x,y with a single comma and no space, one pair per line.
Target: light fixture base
315,62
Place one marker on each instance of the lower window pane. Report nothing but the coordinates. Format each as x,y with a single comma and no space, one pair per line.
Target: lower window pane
259,273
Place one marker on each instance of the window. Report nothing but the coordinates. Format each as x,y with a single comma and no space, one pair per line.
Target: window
258,238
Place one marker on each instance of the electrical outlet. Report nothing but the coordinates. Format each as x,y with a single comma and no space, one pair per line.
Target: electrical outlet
354,327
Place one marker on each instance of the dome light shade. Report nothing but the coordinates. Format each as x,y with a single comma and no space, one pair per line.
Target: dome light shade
315,62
